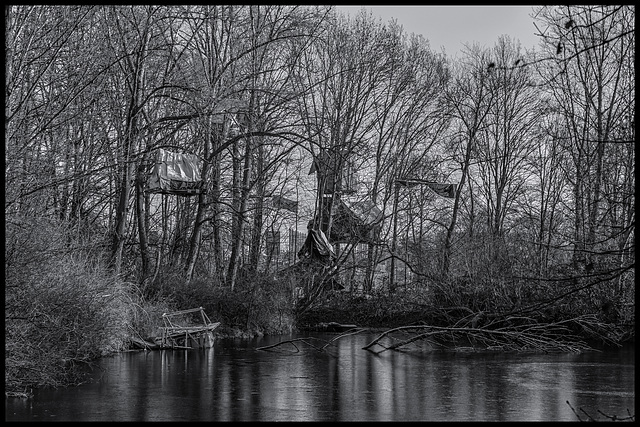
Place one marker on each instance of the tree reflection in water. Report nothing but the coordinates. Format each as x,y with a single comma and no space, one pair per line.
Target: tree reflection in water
236,382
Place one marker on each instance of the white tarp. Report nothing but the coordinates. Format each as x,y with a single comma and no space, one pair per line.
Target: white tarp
176,173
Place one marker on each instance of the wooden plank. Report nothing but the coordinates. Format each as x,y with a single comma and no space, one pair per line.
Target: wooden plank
143,344
187,328
211,327
177,313
182,332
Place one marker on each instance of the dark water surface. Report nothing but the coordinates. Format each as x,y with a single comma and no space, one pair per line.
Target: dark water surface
235,382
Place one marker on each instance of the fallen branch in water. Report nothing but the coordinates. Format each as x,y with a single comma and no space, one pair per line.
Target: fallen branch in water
553,337
345,334
292,342
509,334
305,340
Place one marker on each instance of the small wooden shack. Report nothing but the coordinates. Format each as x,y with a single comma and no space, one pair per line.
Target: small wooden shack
180,332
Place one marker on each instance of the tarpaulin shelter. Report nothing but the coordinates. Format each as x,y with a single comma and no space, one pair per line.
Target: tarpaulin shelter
176,173
316,247
356,220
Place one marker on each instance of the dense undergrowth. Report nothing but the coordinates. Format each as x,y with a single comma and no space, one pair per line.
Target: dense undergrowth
455,305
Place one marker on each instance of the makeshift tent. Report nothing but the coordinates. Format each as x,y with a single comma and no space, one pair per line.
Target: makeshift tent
316,247
176,173
356,220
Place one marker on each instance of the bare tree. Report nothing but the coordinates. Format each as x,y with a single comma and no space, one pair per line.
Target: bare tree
45,79
470,101
588,82
502,150
543,205
344,71
410,122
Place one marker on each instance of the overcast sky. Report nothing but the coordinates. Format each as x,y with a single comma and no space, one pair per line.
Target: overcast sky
452,26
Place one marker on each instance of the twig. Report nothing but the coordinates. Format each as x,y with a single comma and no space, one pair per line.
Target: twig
574,411
610,417
617,418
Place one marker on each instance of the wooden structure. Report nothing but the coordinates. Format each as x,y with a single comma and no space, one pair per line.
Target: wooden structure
174,335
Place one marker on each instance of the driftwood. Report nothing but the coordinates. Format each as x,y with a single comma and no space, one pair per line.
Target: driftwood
332,327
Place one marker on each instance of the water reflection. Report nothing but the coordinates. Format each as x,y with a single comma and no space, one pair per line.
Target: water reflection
235,382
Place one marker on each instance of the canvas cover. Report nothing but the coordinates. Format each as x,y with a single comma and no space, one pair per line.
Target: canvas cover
441,189
364,210
316,247
176,173
356,220
280,202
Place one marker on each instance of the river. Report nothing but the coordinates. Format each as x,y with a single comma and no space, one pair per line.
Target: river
233,381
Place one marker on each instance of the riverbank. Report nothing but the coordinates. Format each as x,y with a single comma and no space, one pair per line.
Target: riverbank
118,315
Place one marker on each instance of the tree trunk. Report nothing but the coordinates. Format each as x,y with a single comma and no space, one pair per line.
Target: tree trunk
258,213
121,219
448,243
240,205
477,113
136,67
196,233
394,237
142,216
215,220
195,241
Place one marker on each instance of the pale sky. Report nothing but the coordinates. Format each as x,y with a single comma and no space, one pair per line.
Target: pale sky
452,26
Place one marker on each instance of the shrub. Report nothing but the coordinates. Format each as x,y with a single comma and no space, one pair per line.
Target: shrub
62,307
